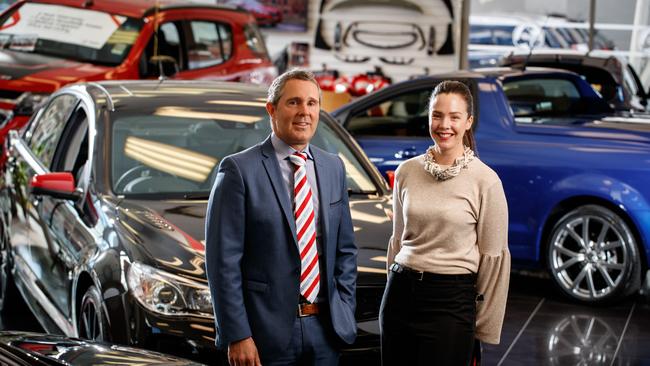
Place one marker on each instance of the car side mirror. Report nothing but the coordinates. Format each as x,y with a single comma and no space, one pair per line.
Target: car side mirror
57,185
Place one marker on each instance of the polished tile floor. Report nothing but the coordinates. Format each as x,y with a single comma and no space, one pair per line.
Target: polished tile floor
541,328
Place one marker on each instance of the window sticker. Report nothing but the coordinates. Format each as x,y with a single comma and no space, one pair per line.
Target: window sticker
82,27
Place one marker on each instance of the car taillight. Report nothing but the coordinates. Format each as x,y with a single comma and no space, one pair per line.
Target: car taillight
260,76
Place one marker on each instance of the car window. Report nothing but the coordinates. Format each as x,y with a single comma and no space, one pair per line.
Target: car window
164,50
402,115
72,151
491,34
255,41
47,130
211,44
544,97
152,154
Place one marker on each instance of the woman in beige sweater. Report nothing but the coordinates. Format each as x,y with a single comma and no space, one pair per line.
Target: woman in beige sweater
448,260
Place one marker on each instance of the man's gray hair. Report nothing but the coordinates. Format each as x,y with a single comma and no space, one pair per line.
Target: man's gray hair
277,86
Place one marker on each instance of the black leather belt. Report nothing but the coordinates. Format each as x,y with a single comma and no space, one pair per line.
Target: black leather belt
428,276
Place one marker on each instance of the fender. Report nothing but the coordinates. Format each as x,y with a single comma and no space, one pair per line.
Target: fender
600,187
112,291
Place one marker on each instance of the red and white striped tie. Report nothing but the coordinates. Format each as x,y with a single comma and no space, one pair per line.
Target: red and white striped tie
305,229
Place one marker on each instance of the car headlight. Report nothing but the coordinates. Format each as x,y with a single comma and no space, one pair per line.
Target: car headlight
168,294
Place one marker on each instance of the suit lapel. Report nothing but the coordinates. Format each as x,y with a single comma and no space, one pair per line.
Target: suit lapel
273,170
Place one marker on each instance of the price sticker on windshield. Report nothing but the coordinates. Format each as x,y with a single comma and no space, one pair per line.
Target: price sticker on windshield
82,27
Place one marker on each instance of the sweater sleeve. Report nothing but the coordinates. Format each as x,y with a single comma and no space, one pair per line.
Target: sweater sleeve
395,242
494,264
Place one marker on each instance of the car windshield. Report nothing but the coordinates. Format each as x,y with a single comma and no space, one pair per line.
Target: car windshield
72,33
179,155
491,35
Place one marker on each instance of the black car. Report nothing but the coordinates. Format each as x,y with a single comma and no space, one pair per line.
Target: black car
33,349
104,196
615,79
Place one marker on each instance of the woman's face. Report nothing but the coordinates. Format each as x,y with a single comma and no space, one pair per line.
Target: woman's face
449,121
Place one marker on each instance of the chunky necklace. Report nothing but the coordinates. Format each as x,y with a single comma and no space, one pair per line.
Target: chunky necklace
461,162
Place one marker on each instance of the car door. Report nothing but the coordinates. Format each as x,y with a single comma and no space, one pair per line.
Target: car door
70,230
392,129
32,154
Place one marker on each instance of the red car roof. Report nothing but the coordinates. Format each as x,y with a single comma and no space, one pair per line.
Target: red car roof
130,8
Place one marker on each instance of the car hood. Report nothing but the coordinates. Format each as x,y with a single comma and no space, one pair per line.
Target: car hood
172,234
22,71
72,351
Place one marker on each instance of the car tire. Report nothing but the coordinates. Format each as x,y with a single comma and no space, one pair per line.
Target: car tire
92,322
592,255
8,290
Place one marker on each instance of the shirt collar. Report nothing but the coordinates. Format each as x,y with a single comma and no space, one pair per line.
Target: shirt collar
284,150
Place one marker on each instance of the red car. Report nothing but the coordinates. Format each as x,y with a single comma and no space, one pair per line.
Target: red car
46,44
266,15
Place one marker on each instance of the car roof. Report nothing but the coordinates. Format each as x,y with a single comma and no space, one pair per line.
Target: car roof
136,8
611,63
546,53
136,94
500,72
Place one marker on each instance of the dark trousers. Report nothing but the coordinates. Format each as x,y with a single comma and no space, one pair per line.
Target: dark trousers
428,321
312,343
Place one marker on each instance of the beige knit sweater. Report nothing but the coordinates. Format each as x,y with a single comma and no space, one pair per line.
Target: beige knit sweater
455,226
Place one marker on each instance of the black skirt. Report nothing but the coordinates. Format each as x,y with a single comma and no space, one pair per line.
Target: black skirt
428,319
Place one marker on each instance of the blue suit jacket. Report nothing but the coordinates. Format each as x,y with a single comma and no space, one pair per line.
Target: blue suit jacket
252,257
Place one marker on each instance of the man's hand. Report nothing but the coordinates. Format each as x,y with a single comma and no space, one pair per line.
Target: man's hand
243,353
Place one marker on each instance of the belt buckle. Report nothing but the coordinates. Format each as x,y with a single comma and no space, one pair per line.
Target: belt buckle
419,274
300,313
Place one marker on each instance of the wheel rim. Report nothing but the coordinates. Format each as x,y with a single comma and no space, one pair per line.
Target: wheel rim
589,257
91,325
4,270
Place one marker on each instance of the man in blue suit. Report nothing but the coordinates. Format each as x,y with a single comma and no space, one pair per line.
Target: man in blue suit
280,252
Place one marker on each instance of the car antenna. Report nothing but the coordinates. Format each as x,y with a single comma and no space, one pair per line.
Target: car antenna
532,46
156,29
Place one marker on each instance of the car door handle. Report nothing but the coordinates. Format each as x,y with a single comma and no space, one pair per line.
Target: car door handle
406,153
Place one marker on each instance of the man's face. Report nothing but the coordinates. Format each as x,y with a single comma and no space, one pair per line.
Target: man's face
295,118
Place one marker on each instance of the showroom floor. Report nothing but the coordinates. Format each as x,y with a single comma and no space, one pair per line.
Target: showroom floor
541,328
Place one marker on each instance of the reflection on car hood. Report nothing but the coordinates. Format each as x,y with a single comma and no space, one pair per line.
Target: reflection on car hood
626,129
45,74
172,234
71,351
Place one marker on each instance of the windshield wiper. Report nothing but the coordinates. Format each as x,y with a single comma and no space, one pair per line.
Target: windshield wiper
196,196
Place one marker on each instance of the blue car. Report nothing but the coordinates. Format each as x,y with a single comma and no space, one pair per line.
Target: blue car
576,175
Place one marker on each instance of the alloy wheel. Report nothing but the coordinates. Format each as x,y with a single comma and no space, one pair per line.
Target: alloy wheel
591,254
91,322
